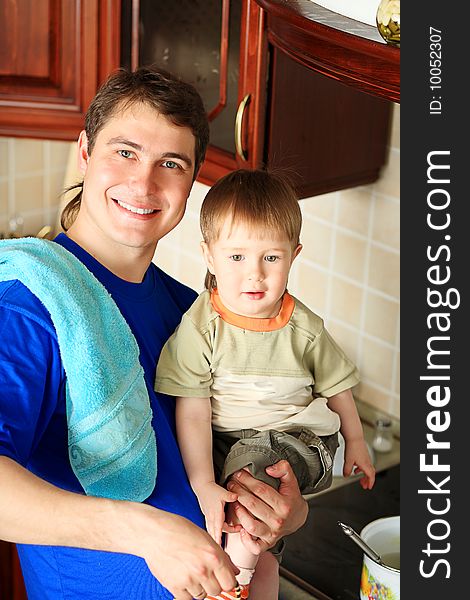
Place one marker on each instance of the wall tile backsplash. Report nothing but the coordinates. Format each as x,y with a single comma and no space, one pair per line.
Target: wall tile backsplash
31,180
348,270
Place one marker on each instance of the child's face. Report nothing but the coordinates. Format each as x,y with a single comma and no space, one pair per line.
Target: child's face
251,268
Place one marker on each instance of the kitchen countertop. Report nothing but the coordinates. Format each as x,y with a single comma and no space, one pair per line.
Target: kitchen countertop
332,19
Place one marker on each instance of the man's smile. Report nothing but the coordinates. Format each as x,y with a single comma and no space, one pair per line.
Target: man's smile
134,209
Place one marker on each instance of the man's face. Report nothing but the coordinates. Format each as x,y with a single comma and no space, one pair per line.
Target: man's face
136,180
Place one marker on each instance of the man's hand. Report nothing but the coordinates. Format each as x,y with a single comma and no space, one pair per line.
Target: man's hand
184,558
265,514
181,555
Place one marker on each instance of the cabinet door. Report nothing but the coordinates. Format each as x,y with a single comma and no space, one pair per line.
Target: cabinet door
219,47
332,136
53,54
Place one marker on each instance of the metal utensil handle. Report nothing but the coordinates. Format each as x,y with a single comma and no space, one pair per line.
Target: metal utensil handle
349,531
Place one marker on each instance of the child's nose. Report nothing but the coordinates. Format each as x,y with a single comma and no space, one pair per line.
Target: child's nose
256,273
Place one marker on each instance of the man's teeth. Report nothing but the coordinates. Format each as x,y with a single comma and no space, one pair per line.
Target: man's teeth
139,211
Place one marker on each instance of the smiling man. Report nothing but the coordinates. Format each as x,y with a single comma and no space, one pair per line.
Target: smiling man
144,141
135,187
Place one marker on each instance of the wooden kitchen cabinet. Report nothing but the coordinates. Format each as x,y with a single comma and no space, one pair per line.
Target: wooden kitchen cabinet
220,47
53,55
264,107
331,135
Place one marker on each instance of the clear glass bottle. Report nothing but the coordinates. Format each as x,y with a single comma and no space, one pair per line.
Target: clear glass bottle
383,439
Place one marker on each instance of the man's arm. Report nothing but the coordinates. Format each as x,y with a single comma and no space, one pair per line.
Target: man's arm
180,555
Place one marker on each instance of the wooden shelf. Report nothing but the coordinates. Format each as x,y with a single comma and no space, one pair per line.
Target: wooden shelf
338,47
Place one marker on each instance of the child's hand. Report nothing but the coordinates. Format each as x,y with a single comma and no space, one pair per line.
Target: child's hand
212,499
356,456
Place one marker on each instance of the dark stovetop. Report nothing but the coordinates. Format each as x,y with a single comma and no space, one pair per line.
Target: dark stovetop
322,559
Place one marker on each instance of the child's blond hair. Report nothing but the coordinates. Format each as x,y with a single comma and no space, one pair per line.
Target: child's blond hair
258,199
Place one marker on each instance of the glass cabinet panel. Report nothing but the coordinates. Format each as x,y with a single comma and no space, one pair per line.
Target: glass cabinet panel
199,40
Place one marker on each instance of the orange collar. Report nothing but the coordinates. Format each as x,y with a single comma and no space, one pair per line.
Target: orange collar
253,323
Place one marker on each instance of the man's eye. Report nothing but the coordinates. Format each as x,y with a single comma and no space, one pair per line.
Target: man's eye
237,257
126,153
171,164
271,258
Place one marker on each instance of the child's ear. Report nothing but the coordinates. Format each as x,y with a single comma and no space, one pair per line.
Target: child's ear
296,252
207,257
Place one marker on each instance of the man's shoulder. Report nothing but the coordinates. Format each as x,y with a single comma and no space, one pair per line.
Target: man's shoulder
181,293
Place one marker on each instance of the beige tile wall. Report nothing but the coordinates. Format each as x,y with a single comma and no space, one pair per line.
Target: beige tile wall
31,179
348,270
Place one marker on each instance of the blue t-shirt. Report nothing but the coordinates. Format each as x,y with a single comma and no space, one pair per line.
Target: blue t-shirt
33,427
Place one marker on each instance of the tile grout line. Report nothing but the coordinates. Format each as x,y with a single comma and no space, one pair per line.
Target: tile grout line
368,336
362,318
355,234
351,281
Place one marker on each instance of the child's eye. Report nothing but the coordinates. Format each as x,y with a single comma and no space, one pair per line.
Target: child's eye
236,257
271,258
126,153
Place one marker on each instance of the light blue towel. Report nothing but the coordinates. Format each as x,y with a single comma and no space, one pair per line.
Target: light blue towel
112,447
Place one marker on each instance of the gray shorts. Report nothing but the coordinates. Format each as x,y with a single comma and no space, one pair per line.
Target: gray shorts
310,456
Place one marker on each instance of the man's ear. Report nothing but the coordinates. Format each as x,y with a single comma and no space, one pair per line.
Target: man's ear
207,257
83,155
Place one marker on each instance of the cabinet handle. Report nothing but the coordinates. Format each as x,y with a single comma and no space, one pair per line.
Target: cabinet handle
238,128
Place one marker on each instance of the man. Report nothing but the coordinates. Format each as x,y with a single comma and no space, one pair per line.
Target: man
144,141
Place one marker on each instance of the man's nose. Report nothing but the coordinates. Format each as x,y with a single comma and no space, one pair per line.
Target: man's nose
145,179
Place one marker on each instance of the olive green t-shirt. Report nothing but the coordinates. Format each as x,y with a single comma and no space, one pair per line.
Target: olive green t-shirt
259,373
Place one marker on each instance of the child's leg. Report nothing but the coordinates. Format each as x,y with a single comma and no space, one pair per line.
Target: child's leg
265,583
241,557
